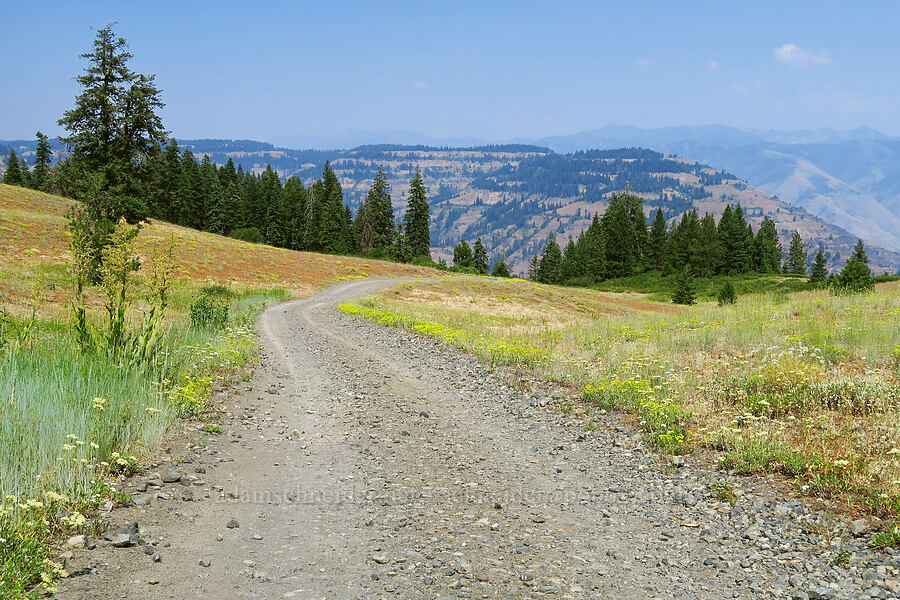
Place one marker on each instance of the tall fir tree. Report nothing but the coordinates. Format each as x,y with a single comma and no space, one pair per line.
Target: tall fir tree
24,172
375,218
533,267
416,219
767,248
856,276
480,259
685,291
114,124
571,267
462,255
708,256
624,229
819,274
333,226
795,263
549,268
42,159
294,211
656,243
13,175
232,209
591,252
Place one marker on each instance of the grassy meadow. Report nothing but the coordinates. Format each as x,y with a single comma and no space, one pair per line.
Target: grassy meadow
72,421
804,384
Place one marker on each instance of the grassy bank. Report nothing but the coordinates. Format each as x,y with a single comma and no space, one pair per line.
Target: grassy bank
803,384
69,420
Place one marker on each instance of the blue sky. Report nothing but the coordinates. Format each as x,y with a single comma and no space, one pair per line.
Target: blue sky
490,70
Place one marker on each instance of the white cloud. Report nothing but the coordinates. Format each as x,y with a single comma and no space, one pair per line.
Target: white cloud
419,85
712,65
643,63
795,56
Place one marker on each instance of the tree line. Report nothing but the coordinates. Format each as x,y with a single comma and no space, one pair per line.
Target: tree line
621,243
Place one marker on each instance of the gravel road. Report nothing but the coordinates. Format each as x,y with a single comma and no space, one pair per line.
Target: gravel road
365,462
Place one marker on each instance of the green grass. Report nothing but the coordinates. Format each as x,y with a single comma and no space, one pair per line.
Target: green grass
660,288
69,418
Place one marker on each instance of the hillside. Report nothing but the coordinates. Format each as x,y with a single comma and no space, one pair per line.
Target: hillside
34,242
849,178
515,195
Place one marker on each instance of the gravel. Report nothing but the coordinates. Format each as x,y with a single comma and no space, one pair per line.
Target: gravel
375,463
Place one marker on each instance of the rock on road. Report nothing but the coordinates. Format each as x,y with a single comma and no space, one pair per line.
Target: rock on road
365,462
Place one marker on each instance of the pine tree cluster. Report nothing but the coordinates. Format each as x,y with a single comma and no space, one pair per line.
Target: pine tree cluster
621,244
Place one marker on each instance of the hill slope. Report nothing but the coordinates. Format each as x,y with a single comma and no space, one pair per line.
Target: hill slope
33,240
515,195
849,178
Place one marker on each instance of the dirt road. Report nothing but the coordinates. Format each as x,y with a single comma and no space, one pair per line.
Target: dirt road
363,462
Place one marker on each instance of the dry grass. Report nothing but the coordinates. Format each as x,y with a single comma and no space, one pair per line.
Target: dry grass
34,247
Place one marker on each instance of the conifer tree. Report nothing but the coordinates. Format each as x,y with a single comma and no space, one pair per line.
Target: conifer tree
294,210
533,267
591,252
549,266
856,276
708,255
24,172
232,210
733,235
684,245
624,234
186,191
501,269
727,295
819,272
462,255
375,218
767,248
684,287
43,156
350,235
114,124
416,219
571,266
399,250
480,259
275,221
12,176
332,227
656,244
796,258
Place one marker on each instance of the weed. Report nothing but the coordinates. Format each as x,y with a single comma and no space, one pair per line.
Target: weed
209,313
208,428
724,492
887,539
842,559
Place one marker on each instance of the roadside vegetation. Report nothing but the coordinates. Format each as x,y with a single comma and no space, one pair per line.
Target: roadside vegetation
806,384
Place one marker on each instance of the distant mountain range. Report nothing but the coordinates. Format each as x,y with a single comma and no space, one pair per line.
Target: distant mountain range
514,195
849,178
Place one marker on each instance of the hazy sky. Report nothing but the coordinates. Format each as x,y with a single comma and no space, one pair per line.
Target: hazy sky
491,70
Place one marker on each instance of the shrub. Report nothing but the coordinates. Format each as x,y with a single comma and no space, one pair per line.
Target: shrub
209,313
727,295
685,290
247,234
